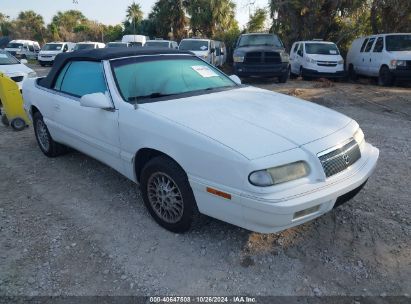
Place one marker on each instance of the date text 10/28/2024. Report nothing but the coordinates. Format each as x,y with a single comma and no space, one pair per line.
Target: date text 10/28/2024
199,299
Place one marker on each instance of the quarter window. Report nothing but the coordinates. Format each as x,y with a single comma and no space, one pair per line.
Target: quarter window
379,45
363,45
79,78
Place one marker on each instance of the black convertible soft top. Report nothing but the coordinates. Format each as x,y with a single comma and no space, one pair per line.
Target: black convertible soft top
99,55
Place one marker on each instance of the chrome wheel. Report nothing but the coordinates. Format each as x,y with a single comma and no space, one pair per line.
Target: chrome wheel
42,135
165,197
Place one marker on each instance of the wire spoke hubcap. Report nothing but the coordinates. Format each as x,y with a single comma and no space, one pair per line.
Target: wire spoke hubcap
42,135
165,197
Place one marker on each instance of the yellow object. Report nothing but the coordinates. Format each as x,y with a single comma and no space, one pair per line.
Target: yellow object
12,101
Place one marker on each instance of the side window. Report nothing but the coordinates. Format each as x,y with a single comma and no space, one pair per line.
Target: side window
363,45
31,48
369,45
379,45
295,48
65,48
79,78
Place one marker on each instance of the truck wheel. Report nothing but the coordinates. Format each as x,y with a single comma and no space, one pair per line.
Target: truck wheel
4,120
167,194
385,77
284,77
46,143
304,77
18,124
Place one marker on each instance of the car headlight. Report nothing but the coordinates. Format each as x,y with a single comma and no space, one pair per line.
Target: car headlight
341,61
359,136
32,74
238,58
397,63
278,175
284,57
310,60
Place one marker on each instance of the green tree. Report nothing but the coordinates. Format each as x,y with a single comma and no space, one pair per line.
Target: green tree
28,25
257,21
66,22
387,16
168,16
4,24
135,15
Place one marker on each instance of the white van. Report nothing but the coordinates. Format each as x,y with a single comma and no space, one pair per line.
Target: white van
135,40
88,45
203,48
386,56
50,50
159,43
316,58
23,49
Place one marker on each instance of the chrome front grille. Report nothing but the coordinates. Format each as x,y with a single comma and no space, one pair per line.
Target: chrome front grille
327,63
339,159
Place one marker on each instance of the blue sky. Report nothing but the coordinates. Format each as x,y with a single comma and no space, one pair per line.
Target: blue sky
106,11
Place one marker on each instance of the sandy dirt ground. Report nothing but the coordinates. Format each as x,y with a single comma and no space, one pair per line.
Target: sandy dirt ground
73,226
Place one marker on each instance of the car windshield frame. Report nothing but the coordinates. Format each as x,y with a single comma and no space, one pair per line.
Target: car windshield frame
333,47
11,58
14,45
245,41
46,48
163,97
389,46
199,42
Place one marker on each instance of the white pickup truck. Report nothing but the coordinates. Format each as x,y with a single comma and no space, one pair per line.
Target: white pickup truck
197,140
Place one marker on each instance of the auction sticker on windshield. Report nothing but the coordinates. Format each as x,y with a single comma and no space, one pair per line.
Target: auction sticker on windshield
204,71
3,56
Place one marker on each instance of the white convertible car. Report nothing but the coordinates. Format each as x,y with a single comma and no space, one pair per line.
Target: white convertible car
197,140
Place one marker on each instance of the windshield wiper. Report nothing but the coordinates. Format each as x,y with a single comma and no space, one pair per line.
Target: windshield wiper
150,96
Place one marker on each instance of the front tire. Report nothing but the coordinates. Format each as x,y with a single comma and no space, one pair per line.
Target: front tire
18,124
284,77
167,194
46,143
385,77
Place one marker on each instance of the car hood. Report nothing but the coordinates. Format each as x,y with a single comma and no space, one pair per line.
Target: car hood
401,55
251,121
49,52
15,69
320,57
258,48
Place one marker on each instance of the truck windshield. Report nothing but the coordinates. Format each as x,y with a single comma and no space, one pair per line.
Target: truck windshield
150,79
163,44
398,43
84,46
194,45
7,59
52,47
321,48
260,39
13,45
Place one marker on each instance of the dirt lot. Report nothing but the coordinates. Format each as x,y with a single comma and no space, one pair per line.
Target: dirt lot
73,226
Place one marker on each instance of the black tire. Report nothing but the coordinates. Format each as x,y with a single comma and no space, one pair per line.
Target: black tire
292,75
352,75
42,64
164,167
18,124
52,149
284,77
385,77
4,120
303,76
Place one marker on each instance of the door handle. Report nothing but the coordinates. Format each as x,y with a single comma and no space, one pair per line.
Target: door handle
370,59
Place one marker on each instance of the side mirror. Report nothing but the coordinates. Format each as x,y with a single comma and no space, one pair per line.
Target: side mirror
24,61
96,100
212,50
236,79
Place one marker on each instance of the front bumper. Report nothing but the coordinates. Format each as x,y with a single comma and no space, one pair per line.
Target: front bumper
265,215
402,73
259,69
315,73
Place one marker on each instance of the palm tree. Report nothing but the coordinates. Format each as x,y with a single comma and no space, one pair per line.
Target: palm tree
169,15
135,14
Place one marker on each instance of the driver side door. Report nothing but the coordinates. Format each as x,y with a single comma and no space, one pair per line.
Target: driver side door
93,131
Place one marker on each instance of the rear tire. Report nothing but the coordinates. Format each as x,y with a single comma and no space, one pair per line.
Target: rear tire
284,77
46,143
4,120
18,124
385,77
167,194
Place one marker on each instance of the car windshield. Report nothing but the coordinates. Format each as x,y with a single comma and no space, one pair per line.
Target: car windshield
6,59
321,48
157,43
52,47
148,79
194,45
398,43
255,40
114,44
84,46
13,45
